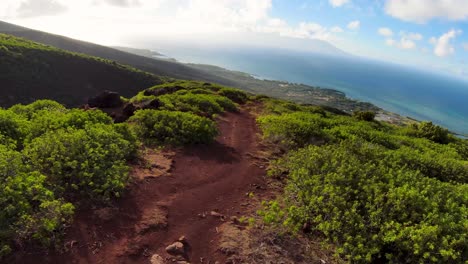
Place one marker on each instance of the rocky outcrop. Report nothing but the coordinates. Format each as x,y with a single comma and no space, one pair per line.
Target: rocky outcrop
106,99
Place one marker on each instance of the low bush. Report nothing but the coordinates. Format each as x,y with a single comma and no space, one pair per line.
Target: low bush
85,163
235,95
293,130
372,210
200,104
44,121
176,128
431,163
30,210
378,192
430,131
364,115
13,127
27,111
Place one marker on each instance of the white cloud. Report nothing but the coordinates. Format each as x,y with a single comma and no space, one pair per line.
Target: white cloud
421,11
386,32
122,3
406,44
338,3
465,46
403,43
36,8
354,25
411,35
390,42
118,22
336,29
442,45
305,30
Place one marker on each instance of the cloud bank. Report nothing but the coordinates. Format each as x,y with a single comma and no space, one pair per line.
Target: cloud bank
421,11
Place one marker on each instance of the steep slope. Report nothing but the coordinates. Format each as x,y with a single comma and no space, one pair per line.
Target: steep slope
155,66
31,71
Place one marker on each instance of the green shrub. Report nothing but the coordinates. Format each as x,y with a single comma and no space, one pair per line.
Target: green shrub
44,121
66,155
87,162
235,95
430,131
431,163
30,211
461,146
29,110
364,115
200,104
130,136
365,131
380,193
275,106
293,130
177,128
373,211
13,127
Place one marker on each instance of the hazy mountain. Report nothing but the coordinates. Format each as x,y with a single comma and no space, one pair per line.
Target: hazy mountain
141,52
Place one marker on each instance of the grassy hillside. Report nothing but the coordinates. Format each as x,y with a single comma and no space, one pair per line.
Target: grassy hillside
378,193
296,92
31,71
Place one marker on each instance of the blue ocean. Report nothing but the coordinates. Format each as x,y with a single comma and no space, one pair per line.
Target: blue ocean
403,90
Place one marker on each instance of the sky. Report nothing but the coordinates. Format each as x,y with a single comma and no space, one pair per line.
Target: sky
427,34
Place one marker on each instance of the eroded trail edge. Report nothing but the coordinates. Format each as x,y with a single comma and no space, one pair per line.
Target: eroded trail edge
206,186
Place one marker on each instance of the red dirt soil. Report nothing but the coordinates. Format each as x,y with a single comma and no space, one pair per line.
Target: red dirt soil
204,178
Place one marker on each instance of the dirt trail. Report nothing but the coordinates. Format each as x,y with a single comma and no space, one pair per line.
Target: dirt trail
206,178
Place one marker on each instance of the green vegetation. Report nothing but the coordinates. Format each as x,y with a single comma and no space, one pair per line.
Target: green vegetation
379,192
30,71
199,98
293,130
234,94
30,210
54,160
51,160
177,128
431,132
364,115
87,162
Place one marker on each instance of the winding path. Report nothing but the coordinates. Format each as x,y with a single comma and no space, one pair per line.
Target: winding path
206,178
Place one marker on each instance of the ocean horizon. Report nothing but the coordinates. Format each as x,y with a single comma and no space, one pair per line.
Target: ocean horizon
403,90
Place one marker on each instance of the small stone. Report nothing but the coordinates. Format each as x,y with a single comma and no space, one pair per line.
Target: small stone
156,259
203,215
216,214
182,239
175,249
